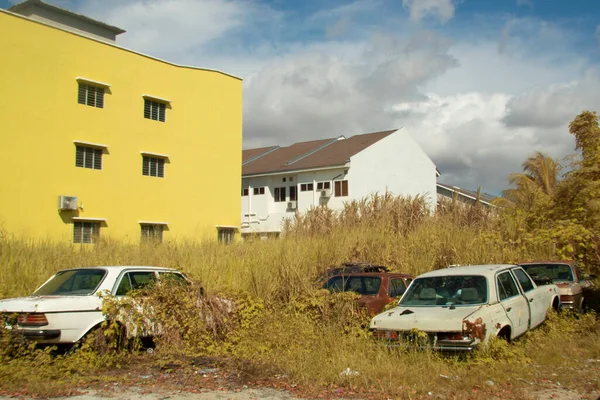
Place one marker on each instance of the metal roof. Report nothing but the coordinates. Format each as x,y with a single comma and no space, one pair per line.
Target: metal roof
314,154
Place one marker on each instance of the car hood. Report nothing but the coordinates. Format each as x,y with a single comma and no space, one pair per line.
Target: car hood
428,319
51,304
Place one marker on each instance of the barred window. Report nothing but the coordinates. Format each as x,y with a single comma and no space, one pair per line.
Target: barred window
226,235
152,232
259,190
90,95
86,232
153,166
88,157
306,187
154,110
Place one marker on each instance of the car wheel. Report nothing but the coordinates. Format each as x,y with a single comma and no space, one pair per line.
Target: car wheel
504,334
102,340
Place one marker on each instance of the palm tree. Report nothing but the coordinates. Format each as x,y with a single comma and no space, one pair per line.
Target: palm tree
538,179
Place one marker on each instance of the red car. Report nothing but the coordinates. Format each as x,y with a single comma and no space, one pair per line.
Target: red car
374,283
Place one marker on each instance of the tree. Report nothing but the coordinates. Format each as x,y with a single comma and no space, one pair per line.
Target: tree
534,186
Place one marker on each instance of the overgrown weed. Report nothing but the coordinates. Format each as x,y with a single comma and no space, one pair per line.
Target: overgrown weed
262,307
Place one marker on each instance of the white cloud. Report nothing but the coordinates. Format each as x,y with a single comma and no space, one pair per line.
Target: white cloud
176,29
443,10
554,105
465,136
324,91
528,3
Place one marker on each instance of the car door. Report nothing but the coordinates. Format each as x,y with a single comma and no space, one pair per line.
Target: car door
535,296
514,303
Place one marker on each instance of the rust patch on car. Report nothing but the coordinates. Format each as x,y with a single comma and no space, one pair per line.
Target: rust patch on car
475,329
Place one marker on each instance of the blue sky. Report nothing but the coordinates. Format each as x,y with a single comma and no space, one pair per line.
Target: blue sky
480,84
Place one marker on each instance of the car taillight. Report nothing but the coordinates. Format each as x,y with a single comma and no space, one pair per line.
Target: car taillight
32,319
567,298
380,334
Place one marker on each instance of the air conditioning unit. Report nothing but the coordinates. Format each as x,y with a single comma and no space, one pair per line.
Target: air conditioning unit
67,203
326,193
291,205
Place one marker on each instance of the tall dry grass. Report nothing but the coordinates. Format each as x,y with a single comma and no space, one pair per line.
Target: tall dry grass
293,329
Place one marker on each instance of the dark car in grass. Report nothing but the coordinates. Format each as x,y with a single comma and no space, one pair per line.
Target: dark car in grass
376,286
573,285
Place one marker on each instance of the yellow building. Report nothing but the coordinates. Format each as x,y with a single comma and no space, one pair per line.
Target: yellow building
100,140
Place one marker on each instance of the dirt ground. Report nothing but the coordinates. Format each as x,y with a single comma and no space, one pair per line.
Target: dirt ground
139,393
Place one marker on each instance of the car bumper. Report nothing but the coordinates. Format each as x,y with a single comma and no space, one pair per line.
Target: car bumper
432,343
41,334
37,334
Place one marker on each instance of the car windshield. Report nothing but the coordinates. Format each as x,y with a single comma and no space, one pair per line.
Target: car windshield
75,282
555,272
365,285
446,291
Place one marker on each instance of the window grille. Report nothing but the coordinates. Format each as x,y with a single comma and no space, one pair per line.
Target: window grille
88,157
152,232
153,166
90,95
154,110
85,232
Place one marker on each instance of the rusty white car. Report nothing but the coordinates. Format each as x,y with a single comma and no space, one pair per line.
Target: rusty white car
456,309
68,306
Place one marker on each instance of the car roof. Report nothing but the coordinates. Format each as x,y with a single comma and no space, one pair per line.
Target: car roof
380,274
551,262
120,268
487,270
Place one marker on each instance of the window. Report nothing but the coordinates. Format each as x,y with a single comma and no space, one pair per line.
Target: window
152,232
523,279
323,185
507,287
293,193
397,287
245,192
135,280
226,235
279,195
306,187
90,95
85,232
73,282
259,190
365,285
153,166
88,157
341,188
154,110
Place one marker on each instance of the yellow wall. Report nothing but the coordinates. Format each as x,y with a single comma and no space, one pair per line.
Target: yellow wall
40,118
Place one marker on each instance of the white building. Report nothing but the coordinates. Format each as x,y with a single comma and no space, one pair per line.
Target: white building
454,193
278,181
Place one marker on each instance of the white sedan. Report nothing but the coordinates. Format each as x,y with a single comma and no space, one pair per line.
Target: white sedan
68,305
457,308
